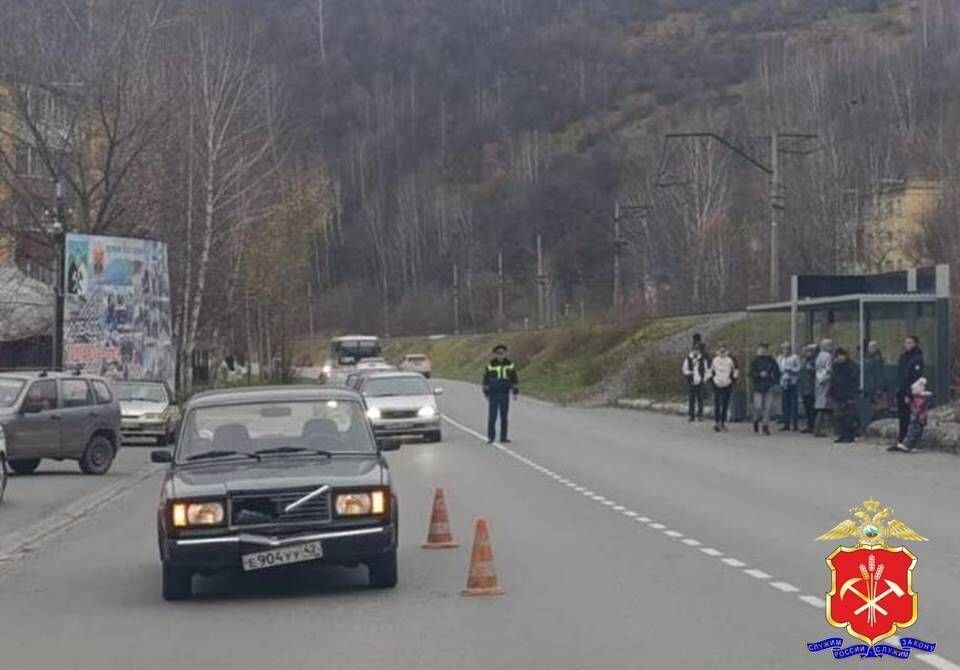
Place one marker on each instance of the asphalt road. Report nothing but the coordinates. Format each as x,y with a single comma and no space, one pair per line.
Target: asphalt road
623,540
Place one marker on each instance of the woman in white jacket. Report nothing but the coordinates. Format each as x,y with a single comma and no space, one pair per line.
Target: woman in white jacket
723,373
823,372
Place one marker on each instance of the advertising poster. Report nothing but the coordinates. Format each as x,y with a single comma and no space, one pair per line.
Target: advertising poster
117,320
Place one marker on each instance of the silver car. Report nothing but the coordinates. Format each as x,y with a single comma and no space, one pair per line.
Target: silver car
149,411
58,416
401,404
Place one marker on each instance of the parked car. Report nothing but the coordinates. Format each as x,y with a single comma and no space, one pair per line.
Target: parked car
417,363
265,477
59,416
402,404
149,410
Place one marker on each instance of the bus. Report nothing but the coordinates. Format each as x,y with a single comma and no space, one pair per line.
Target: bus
345,352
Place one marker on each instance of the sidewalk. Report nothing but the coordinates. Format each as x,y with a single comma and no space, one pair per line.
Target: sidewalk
942,433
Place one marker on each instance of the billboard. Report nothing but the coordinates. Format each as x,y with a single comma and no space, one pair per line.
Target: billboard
117,308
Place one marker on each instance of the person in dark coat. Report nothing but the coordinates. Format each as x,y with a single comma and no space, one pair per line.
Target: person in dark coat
807,386
694,370
499,382
844,389
873,383
764,377
909,370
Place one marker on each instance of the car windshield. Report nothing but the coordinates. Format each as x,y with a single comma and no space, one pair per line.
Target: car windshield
140,392
333,426
357,349
392,386
10,391
416,359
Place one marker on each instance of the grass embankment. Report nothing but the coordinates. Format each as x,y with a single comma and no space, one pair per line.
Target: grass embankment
569,365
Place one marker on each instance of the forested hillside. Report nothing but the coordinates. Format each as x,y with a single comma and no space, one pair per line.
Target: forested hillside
326,164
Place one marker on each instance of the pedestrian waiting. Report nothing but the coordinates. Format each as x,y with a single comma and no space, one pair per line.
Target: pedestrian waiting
844,390
909,371
499,381
807,386
790,366
723,374
823,368
694,370
764,376
919,403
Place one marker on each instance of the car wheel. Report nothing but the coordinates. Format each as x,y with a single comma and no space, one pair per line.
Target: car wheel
98,456
383,571
3,476
24,466
177,583
435,436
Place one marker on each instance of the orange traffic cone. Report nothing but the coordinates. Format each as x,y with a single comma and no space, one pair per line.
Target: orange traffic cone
482,578
439,536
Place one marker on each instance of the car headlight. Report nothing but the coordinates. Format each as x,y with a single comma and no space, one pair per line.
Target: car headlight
327,369
152,416
427,412
3,441
360,503
186,514
373,413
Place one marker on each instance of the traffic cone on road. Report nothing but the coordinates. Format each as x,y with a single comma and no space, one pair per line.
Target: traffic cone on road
439,536
482,578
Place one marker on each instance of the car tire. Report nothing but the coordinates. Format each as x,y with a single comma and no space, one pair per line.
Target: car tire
3,476
383,571
97,457
24,466
177,583
434,436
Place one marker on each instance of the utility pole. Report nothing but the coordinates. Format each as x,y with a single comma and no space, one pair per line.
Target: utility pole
541,282
775,206
617,242
59,233
500,291
456,299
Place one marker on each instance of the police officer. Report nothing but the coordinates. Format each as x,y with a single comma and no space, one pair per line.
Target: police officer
499,381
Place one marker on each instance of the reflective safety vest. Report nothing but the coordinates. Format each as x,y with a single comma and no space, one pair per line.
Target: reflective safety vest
500,371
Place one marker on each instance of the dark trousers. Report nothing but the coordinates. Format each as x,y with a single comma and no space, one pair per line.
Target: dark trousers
810,411
497,403
695,396
789,407
721,404
903,413
846,419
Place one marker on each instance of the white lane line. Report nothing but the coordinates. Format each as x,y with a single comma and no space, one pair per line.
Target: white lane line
932,660
610,503
758,574
814,601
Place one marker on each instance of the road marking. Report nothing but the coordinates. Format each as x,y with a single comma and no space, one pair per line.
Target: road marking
618,508
814,601
758,574
673,533
610,503
932,660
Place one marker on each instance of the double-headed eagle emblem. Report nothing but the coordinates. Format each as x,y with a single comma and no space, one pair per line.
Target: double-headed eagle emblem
872,527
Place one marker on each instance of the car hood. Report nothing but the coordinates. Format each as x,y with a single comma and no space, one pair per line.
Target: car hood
274,472
140,407
401,401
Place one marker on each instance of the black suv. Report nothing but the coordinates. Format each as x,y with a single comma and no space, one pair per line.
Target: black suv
60,416
266,477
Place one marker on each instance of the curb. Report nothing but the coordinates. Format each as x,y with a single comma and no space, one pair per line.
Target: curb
17,544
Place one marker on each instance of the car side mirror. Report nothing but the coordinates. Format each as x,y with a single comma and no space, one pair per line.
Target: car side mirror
438,391
388,444
161,456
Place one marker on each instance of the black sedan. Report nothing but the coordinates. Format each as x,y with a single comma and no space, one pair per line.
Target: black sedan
267,477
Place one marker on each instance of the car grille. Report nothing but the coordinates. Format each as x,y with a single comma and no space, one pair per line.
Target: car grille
399,414
266,508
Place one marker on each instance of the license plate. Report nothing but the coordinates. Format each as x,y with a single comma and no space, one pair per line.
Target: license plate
297,553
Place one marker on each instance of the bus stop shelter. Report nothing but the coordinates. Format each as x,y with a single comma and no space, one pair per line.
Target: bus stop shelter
853,310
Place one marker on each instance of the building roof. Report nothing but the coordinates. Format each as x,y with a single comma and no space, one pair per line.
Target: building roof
835,301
